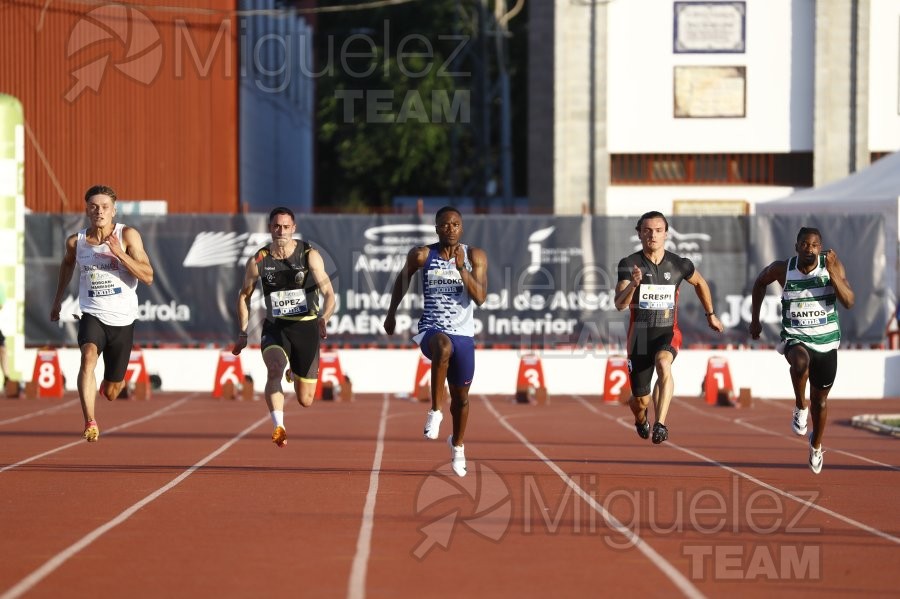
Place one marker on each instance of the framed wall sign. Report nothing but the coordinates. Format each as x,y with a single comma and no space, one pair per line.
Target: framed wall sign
710,92
704,27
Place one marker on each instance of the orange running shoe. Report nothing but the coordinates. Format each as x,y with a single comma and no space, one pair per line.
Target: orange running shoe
279,436
91,431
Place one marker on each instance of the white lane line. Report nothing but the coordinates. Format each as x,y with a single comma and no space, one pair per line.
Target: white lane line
357,586
792,437
29,582
39,412
658,561
130,423
753,479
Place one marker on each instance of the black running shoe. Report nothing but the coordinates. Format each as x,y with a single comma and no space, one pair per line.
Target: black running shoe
643,429
660,433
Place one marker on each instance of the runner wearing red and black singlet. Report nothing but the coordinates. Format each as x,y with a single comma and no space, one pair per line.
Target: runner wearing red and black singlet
648,284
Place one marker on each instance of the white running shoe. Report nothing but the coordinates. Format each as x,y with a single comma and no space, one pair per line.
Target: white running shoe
433,424
457,457
815,459
798,423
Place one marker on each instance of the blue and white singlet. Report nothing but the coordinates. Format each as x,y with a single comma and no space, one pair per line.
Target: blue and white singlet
448,307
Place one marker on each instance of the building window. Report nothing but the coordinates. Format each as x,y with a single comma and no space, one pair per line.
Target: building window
791,170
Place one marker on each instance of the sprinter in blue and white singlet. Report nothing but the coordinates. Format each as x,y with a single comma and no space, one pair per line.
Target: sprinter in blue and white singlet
454,281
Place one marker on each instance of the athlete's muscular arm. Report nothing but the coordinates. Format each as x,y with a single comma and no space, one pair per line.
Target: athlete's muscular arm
130,252
323,282
701,288
251,276
475,281
66,268
625,289
839,281
777,271
415,260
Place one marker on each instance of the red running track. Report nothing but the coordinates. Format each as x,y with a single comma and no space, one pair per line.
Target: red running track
185,496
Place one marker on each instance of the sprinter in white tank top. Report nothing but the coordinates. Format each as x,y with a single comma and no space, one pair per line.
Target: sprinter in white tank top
111,260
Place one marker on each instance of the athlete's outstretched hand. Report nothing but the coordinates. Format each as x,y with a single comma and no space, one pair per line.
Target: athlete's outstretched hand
636,275
755,329
831,261
714,323
390,323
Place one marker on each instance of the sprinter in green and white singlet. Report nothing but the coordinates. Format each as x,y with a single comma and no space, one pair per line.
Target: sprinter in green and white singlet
808,314
812,281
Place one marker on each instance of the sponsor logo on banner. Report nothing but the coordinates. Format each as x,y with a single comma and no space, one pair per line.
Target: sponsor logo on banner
541,255
70,311
392,242
220,248
686,245
171,312
740,310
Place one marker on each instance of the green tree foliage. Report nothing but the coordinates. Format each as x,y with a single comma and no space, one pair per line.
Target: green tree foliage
394,93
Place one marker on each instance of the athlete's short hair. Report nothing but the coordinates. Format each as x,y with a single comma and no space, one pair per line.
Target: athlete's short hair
648,215
281,210
97,190
444,210
804,231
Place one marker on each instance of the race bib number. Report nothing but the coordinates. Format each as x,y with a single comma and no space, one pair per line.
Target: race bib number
447,281
289,302
656,297
807,314
103,284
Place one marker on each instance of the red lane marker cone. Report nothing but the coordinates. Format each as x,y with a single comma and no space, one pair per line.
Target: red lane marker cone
718,381
615,381
331,382
136,374
530,379
229,375
422,384
47,378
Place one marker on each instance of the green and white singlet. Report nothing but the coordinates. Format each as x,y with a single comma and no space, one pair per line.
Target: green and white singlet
808,313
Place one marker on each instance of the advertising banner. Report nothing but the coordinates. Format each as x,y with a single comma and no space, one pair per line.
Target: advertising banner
551,280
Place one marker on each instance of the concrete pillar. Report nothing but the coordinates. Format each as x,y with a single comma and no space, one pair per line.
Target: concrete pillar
571,137
541,82
840,124
601,174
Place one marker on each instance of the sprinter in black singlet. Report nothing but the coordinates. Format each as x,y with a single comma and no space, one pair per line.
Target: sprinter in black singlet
292,276
648,284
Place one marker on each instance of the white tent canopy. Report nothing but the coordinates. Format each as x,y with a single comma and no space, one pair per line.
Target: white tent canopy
874,189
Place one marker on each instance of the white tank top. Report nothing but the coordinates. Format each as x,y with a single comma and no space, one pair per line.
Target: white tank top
106,288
